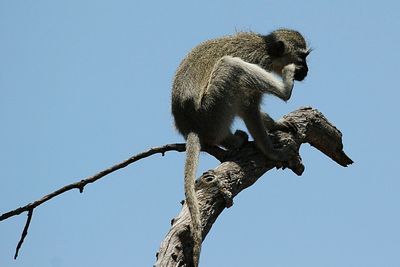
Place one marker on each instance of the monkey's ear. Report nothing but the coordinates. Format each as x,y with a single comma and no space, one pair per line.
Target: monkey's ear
277,49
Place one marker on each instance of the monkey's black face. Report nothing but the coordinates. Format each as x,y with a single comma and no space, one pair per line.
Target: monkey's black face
301,66
301,71
298,58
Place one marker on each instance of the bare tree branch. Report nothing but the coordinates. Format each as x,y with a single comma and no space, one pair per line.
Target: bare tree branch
24,233
215,151
216,188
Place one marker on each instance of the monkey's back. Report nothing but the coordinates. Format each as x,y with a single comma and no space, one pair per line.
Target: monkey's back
194,72
195,69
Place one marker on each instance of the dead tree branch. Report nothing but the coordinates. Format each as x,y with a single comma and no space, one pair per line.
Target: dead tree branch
216,188
215,151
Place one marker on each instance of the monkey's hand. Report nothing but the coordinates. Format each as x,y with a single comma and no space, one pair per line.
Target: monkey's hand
288,72
285,91
279,150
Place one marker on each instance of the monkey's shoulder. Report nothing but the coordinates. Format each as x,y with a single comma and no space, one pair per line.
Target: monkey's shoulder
196,68
229,45
247,45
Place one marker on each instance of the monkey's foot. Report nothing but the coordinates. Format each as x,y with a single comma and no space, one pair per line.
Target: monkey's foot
236,140
241,137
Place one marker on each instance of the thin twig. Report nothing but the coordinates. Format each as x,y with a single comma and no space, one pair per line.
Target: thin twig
215,151
24,233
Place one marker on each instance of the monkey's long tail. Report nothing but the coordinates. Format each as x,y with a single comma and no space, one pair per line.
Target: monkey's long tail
192,158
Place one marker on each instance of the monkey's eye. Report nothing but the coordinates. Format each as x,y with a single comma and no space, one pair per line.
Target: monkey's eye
301,59
303,55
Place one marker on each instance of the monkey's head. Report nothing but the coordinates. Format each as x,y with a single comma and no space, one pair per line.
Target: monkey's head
285,47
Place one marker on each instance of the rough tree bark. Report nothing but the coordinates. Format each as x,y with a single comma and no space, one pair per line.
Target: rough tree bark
216,188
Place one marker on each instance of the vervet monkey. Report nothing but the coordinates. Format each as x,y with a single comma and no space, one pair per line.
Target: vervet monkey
225,78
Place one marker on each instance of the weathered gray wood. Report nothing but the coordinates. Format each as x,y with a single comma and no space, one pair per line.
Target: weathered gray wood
238,170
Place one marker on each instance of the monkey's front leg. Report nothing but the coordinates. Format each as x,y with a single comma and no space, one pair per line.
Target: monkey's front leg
288,73
253,119
285,90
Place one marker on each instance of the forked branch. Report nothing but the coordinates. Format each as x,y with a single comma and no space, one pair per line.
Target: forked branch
215,151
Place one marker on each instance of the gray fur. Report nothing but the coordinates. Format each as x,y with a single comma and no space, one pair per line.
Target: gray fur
226,78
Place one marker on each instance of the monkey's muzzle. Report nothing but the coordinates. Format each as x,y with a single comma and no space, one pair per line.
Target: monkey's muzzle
301,72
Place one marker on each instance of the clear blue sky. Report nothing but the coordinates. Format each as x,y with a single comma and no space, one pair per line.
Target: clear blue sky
86,84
